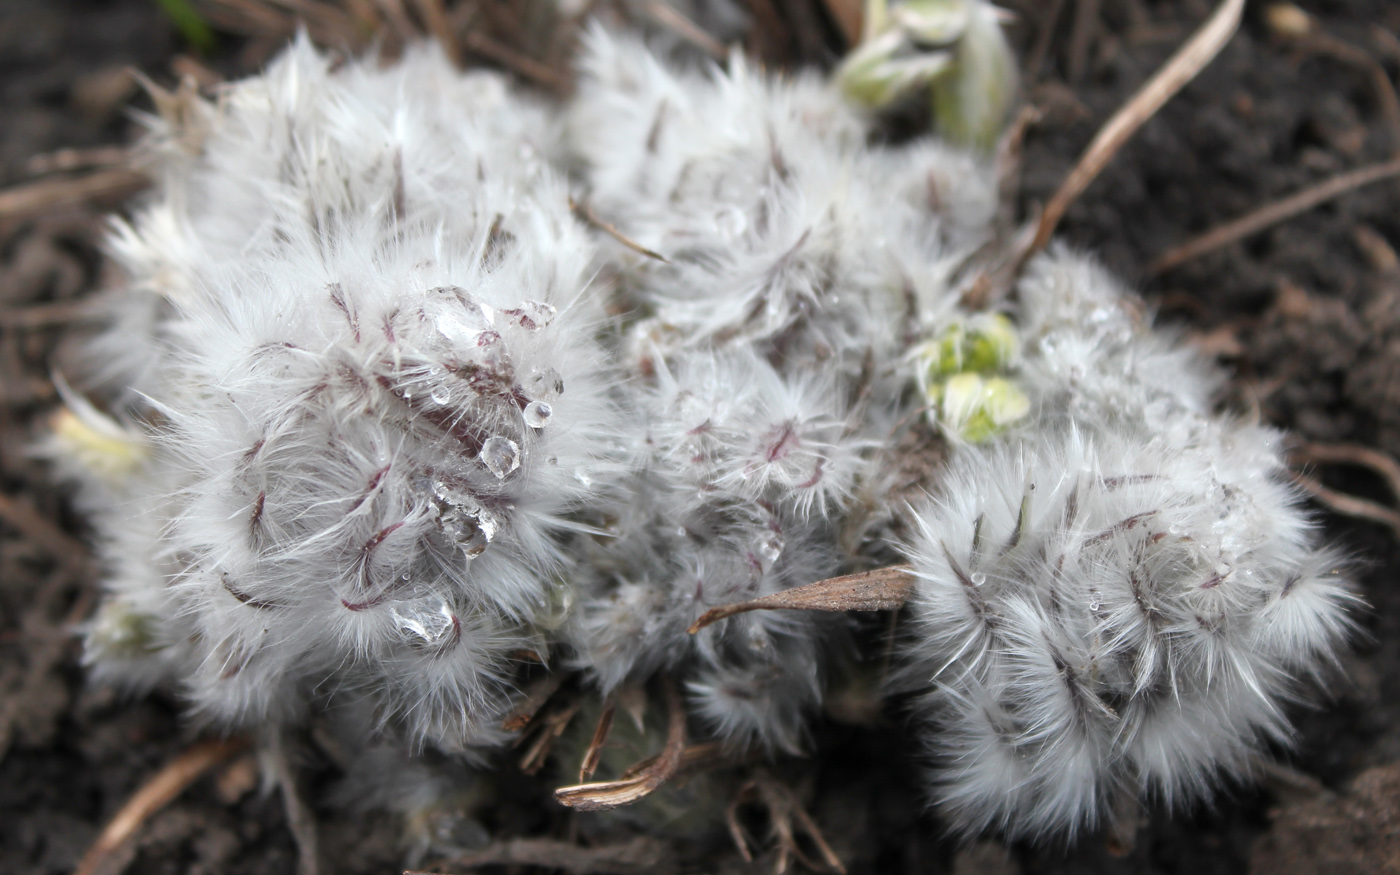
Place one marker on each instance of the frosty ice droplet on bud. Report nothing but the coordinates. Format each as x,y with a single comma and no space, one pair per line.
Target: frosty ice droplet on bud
537,414
500,455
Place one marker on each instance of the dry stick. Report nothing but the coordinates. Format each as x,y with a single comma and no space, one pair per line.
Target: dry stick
585,212
517,63
1183,66
535,698
849,17
1272,214
600,737
154,795
30,199
685,29
645,780
1354,454
1036,59
884,589
60,545
300,818
641,856
49,315
1323,43
1350,505
436,18
65,160
1086,21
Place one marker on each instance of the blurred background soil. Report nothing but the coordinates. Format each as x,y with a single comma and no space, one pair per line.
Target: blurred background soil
1305,313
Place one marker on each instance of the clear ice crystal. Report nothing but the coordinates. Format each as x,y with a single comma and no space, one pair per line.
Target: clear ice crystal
425,624
500,455
464,520
544,383
537,414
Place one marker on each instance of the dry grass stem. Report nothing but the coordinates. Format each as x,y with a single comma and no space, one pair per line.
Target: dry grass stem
641,856
548,730
521,65
642,780
61,546
1349,505
1383,464
536,695
300,818
49,315
1180,69
109,186
884,589
1272,214
685,29
154,795
585,212
595,746
784,813
68,160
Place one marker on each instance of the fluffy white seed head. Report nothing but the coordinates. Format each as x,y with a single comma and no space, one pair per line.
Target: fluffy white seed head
360,331
782,229
1121,596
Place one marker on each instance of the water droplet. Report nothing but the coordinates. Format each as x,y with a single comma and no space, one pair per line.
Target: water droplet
460,322
730,222
537,414
425,624
464,529
583,479
1173,530
501,456
544,383
771,548
463,519
441,394
978,578
532,315
1095,600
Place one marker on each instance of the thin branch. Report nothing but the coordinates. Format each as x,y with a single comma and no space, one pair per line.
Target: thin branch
300,818
642,782
641,856
1383,464
1183,66
525,67
600,737
884,589
1350,505
68,160
154,795
105,186
60,545
585,212
685,29
1272,214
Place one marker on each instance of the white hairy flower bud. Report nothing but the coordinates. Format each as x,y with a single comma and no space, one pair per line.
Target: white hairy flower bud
356,324
1121,598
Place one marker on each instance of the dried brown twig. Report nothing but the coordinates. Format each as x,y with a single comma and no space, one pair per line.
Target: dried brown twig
1273,213
152,796
785,812
1180,69
641,856
645,778
1383,465
884,589
107,186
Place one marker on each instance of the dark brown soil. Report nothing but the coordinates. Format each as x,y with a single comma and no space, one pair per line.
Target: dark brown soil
1306,313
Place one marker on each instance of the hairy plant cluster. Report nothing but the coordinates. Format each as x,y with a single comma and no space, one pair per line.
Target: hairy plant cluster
379,418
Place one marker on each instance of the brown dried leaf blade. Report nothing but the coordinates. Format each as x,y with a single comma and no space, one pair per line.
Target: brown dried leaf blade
884,589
